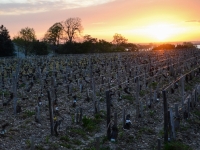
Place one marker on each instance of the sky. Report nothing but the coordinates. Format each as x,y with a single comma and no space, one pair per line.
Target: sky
140,21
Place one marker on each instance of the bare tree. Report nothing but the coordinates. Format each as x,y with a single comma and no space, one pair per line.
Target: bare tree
72,28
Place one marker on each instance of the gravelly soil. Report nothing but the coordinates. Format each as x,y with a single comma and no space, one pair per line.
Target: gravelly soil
23,131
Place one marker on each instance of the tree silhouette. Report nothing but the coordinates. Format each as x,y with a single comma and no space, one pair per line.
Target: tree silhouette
6,45
118,39
25,38
54,34
39,48
72,28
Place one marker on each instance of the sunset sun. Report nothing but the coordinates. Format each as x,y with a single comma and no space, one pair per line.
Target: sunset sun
160,32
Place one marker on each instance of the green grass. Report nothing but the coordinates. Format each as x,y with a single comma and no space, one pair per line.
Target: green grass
23,126
98,94
142,93
39,147
193,121
145,130
121,134
161,133
89,123
177,98
150,131
197,112
104,139
50,73
74,89
65,138
196,121
176,146
129,138
101,99
27,121
188,87
54,145
98,117
28,113
80,132
154,85
47,139
6,93
11,137
196,80
22,85
73,119
151,113
128,97
28,143
184,128
77,142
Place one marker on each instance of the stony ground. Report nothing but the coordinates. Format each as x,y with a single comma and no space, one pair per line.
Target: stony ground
25,133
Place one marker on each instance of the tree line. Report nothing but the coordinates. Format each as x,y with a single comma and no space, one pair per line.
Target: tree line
61,38
184,45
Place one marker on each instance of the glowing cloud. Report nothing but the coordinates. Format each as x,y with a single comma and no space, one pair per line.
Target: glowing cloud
16,7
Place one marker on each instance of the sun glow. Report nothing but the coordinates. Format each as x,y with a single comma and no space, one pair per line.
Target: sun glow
161,32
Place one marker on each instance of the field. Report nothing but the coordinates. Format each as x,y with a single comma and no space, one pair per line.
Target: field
82,101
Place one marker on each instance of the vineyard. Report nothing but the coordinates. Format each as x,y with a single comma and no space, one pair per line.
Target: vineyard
118,101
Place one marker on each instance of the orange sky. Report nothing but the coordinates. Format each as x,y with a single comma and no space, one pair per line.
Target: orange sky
137,20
